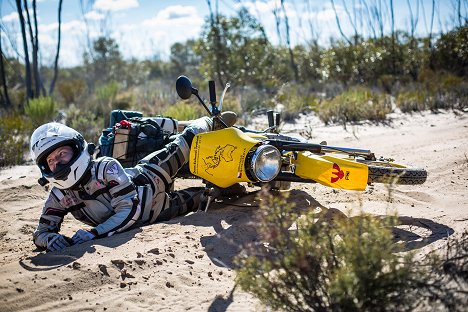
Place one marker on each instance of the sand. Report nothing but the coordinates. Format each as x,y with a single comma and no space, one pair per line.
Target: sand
187,263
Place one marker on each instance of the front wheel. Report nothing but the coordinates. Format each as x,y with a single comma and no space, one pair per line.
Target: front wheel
387,172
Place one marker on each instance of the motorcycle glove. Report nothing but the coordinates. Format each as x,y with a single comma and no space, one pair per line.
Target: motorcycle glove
57,242
82,236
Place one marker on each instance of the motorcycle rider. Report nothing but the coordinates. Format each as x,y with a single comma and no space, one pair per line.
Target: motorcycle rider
100,192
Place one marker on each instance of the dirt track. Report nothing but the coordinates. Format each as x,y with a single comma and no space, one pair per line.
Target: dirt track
186,264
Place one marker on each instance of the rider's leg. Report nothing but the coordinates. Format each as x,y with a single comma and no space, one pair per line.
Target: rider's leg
160,168
229,118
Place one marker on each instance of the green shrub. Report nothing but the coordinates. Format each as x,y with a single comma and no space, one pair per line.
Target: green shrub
433,91
355,105
296,100
85,122
312,263
183,111
41,110
451,51
14,135
71,90
105,98
412,101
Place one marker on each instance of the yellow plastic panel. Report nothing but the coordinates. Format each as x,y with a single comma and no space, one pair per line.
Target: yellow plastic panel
219,156
332,171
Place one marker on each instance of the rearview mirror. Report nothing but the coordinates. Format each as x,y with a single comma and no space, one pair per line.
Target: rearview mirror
184,87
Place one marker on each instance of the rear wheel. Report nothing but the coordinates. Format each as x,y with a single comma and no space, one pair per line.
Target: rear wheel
388,172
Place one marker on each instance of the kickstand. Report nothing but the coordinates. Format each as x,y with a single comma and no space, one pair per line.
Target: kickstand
208,202
210,193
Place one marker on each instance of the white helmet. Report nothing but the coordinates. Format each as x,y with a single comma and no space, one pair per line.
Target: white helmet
49,137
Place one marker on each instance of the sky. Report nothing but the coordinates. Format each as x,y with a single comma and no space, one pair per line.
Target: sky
146,29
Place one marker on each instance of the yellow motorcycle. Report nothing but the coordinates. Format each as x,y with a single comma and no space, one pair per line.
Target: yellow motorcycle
235,154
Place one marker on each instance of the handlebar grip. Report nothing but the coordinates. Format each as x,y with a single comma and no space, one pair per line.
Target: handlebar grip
271,121
211,86
277,119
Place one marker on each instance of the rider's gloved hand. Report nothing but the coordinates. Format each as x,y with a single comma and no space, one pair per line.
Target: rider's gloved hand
82,236
57,242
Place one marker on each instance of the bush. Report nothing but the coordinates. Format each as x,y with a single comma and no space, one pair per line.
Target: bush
183,111
105,98
296,100
14,135
355,105
412,101
433,91
85,122
451,52
70,90
41,110
352,264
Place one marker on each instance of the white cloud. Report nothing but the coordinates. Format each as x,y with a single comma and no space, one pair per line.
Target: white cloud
71,27
115,5
326,14
94,16
175,14
12,17
74,27
48,27
154,36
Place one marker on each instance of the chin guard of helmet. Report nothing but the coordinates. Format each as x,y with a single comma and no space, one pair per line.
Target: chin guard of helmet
91,148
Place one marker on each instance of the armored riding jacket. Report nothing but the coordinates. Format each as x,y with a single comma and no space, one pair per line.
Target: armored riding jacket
112,198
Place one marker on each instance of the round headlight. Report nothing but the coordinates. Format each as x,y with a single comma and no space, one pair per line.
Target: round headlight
266,163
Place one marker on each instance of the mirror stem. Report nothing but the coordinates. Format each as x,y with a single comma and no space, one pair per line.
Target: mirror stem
202,103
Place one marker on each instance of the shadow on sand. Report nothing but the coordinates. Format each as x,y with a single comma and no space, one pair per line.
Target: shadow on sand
234,224
45,261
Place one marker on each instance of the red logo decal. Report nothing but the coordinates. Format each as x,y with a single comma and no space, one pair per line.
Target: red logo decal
339,173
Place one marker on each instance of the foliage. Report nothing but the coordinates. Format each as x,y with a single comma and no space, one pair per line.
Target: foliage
184,60
412,101
234,50
85,122
41,110
183,111
451,52
354,105
71,90
421,73
14,135
104,62
295,99
433,91
105,97
310,262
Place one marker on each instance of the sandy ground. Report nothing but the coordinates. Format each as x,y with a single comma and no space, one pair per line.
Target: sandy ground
187,263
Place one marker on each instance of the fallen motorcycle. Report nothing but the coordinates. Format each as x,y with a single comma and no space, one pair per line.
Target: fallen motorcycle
231,155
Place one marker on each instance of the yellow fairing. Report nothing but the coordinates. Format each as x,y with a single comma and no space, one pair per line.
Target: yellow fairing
332,171
219,156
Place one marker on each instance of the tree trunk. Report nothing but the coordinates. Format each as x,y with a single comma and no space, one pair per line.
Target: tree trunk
34,44
431,50
27,65
39,79
339,24
277,23
288,40
52,84
215,28
393,37
2,73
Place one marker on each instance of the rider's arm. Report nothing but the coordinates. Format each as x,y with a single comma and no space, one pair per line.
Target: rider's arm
50,220
124,198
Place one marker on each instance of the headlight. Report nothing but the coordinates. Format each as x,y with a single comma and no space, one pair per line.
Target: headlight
265,163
